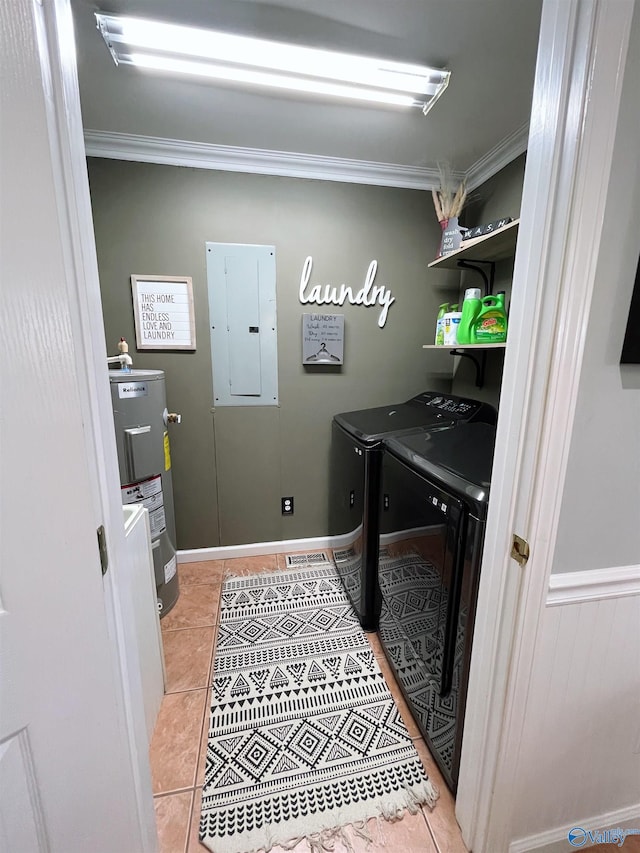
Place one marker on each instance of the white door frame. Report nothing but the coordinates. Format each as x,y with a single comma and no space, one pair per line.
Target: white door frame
579,74
58,58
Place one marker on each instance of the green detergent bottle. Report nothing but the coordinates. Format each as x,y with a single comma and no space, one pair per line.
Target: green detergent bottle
470,310
439,324
490,326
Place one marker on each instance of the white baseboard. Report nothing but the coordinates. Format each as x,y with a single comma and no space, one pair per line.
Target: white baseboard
556,840
259,549
594,585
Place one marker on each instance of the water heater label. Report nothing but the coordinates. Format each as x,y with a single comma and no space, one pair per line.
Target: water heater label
170,569
132,389
157,522
149,494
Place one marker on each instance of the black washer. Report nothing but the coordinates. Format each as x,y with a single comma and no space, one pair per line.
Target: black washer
356,457
435,488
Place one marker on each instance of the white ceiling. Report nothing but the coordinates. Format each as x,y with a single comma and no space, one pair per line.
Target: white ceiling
488,45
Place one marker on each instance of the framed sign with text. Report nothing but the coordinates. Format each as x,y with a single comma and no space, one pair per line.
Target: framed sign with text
323,338
163,312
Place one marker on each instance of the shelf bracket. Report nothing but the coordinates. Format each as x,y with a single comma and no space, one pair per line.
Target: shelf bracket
480,364
488,279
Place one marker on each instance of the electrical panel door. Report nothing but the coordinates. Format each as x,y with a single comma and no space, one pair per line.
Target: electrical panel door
242,312
242,286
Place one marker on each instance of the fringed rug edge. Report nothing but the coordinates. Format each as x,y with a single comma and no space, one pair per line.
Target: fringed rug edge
321,838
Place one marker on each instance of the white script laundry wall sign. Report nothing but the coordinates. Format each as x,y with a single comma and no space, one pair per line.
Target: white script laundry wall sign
368,295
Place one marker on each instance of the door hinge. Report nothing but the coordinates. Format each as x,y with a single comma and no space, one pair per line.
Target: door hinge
520,549
102,548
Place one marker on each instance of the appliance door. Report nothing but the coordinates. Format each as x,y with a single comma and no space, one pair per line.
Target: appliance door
355,474
420,568
454,704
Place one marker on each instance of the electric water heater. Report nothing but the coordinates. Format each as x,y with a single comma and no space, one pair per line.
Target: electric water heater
144,456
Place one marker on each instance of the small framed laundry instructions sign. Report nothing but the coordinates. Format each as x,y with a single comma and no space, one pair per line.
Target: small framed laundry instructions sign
163,312
323,338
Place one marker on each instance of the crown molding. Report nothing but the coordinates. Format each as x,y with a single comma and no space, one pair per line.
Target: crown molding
504,153
229,158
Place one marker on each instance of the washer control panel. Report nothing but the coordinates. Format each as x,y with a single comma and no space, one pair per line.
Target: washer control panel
459,407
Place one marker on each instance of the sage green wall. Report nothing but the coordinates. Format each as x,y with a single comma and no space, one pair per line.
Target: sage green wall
231,466
498,197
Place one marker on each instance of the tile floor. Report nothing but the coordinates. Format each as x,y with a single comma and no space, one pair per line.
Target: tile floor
178,746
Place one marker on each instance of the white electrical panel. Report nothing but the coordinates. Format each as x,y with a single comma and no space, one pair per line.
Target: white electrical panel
241,281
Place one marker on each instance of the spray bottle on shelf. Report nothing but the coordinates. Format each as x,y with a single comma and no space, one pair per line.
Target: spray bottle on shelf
450,323
470,309
439,324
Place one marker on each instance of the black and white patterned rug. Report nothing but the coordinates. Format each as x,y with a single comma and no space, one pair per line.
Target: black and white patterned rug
304,736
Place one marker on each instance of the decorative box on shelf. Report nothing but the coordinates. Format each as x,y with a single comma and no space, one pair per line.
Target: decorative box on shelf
491,247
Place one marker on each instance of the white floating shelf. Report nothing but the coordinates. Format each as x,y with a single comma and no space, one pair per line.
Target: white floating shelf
490,247
464,346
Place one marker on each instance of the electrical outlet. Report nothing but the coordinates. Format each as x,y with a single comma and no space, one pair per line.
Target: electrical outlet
287,506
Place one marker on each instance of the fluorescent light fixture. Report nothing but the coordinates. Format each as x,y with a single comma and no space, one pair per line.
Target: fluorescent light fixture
252,61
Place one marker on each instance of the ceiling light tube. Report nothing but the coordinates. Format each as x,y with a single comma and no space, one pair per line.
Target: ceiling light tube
267,78
249,60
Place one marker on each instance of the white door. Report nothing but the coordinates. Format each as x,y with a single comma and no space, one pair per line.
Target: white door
579,75
68,776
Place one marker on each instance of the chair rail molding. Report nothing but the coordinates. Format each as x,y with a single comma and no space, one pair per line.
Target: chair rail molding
593,585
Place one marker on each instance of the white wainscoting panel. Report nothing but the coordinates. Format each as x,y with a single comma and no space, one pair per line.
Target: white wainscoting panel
610,826
579,762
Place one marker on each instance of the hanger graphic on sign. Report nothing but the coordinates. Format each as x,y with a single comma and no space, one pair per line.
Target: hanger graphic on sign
323,355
